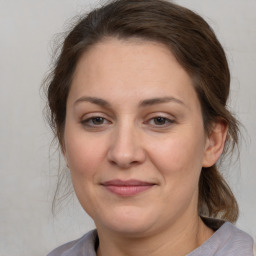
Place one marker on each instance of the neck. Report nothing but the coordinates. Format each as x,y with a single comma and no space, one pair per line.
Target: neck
179,240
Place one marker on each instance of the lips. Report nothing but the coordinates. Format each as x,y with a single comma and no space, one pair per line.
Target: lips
128,187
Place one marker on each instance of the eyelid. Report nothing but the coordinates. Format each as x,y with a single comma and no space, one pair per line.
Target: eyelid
93,114
86,120
160,114
170,120
90,116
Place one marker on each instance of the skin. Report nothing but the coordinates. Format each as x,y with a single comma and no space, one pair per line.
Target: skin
129,142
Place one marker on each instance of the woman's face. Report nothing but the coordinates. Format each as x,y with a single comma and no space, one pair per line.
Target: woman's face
134,138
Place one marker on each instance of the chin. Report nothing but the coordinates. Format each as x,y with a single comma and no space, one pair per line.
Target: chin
129,221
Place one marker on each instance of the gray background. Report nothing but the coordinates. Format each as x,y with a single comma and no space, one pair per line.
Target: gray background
28,167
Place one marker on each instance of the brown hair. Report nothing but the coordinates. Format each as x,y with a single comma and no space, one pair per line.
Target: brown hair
195,47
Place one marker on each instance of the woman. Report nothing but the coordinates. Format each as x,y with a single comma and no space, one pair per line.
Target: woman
138,103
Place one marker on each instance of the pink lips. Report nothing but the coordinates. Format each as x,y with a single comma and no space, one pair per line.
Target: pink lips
127,188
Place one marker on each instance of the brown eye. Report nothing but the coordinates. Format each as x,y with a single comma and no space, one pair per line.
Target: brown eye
160,120
97,120
94,121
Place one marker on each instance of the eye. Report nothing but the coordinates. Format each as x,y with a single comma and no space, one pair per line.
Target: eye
160,121
95,121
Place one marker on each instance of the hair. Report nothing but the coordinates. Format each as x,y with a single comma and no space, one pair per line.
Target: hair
195,46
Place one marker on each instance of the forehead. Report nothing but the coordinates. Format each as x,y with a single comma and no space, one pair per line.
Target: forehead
125,69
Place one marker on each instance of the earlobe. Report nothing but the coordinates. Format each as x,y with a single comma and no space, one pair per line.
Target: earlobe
215,143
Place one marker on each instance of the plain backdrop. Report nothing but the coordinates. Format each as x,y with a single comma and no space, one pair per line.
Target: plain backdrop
28,165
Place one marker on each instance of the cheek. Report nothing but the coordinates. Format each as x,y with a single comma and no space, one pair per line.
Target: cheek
179,160
179,156
83,153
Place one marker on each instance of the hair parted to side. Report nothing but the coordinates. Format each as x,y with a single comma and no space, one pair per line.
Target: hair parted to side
195,47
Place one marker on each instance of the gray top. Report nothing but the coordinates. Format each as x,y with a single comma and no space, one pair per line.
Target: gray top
226,241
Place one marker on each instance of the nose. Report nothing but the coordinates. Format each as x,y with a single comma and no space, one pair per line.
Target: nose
126,149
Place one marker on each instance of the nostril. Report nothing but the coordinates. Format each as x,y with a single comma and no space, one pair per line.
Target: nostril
123,163
113,162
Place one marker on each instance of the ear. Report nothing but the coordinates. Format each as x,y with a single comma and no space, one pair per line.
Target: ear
215,143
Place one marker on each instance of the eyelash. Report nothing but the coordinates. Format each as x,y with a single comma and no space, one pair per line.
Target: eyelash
167,121
90,122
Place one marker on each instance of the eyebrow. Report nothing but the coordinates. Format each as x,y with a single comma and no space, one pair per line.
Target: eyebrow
154,101
94,100
143,103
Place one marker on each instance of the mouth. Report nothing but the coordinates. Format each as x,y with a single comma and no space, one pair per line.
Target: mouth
128,187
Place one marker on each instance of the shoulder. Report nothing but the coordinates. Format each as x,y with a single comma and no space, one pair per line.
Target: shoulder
235,241
227,240
84,246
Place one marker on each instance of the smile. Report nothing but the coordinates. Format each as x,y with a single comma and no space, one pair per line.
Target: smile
127,188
